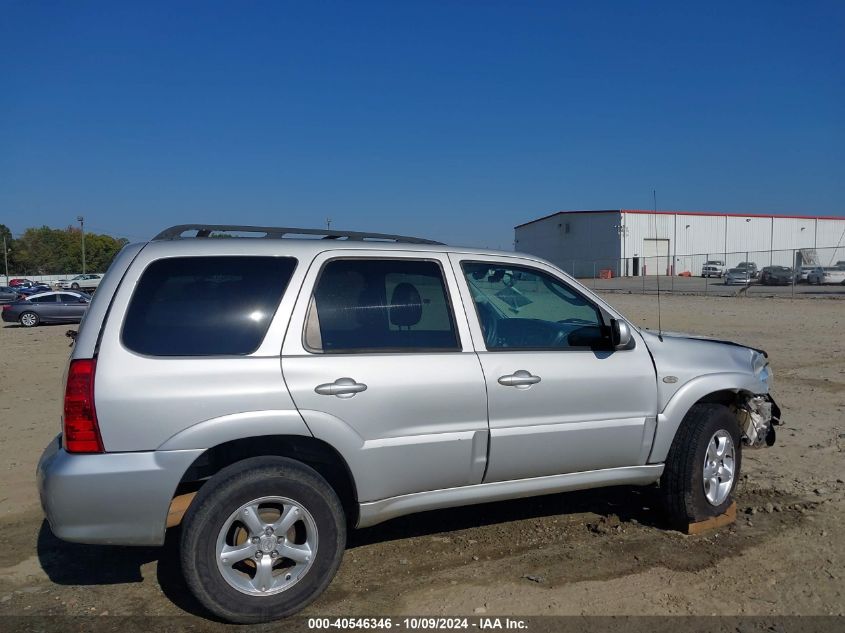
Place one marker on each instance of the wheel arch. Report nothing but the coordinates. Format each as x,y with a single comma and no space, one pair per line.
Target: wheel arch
317,454
715,388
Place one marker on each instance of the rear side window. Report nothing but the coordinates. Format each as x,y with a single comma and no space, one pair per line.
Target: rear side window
205,306
380,305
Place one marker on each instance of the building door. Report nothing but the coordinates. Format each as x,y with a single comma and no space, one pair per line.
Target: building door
656,256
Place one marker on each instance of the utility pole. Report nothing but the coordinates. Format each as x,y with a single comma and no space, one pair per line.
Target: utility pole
81,221
6,259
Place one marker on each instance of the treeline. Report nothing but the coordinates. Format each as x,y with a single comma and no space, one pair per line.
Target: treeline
46,251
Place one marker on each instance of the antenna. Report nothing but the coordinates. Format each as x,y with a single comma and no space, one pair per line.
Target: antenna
659,324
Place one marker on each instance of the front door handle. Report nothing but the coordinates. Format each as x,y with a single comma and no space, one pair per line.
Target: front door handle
520,379
342,388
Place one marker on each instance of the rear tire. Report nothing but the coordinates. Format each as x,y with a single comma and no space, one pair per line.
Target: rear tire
687,484
235,592
29,319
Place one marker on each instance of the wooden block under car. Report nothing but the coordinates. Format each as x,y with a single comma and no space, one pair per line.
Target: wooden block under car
178,507
722,520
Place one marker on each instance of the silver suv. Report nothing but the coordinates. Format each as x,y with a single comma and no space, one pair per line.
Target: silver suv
266,394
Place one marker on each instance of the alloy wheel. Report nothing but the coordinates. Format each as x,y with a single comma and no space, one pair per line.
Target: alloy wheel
266,546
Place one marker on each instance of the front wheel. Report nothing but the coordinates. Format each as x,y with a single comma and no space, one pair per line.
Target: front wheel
703,465
262,539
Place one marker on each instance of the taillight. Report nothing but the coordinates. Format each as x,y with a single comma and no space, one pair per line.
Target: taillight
81,432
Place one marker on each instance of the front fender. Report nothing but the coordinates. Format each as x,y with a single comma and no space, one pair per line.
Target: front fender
673,413
237,426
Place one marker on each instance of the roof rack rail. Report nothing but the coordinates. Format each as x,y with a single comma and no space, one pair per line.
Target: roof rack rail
278,232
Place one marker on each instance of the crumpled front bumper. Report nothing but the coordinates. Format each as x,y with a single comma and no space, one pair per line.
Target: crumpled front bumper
110,498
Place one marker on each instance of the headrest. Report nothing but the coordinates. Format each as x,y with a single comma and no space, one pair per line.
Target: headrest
405,305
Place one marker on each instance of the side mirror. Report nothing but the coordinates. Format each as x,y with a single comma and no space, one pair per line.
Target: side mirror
620,334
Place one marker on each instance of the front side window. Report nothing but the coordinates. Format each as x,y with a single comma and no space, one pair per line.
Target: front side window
205,306
524,308
380,305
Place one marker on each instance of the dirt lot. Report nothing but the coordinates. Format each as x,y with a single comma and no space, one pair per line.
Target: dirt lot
596,552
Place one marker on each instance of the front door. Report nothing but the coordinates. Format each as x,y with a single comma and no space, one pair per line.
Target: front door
560,399
379,362
71,307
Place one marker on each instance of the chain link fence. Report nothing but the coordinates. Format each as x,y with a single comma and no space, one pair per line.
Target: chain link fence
785,272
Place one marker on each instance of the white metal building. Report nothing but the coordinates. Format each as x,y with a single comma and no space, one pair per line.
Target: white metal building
636,242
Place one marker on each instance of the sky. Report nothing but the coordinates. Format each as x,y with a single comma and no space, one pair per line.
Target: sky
449,120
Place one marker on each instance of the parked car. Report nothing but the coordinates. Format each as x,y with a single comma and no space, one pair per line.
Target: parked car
826,275
20,282
751,267
804,273
28,291
713,268
777,275
84,282
8,294
738,276
267,393
47,307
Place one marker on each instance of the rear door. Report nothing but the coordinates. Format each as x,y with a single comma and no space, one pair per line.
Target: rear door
379,362
560,399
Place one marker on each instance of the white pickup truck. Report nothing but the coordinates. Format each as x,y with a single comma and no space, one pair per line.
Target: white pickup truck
713,268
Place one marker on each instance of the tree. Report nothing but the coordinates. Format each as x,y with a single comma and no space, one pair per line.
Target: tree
46,251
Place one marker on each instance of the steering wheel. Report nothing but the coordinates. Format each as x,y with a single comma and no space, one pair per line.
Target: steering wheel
561,339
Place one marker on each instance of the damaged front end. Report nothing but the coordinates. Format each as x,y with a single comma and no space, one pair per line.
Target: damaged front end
757,416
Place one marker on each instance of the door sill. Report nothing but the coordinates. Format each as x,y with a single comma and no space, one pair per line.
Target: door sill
374,512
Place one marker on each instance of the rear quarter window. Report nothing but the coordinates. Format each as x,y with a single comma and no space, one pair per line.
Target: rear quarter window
205,306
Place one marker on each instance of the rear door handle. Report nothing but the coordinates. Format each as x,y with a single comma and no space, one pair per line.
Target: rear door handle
520,379
342,388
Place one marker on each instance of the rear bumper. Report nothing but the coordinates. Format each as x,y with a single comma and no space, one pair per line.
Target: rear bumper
110,498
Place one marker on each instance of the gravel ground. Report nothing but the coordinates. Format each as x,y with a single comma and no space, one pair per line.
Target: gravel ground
603,552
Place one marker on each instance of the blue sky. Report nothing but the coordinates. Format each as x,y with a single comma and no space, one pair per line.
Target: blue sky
452,120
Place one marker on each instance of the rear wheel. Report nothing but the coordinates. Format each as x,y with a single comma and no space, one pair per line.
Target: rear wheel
262,539
703,465
29,319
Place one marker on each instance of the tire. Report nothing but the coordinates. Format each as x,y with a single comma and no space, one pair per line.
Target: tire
683,487
29,319
219,503
74,286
